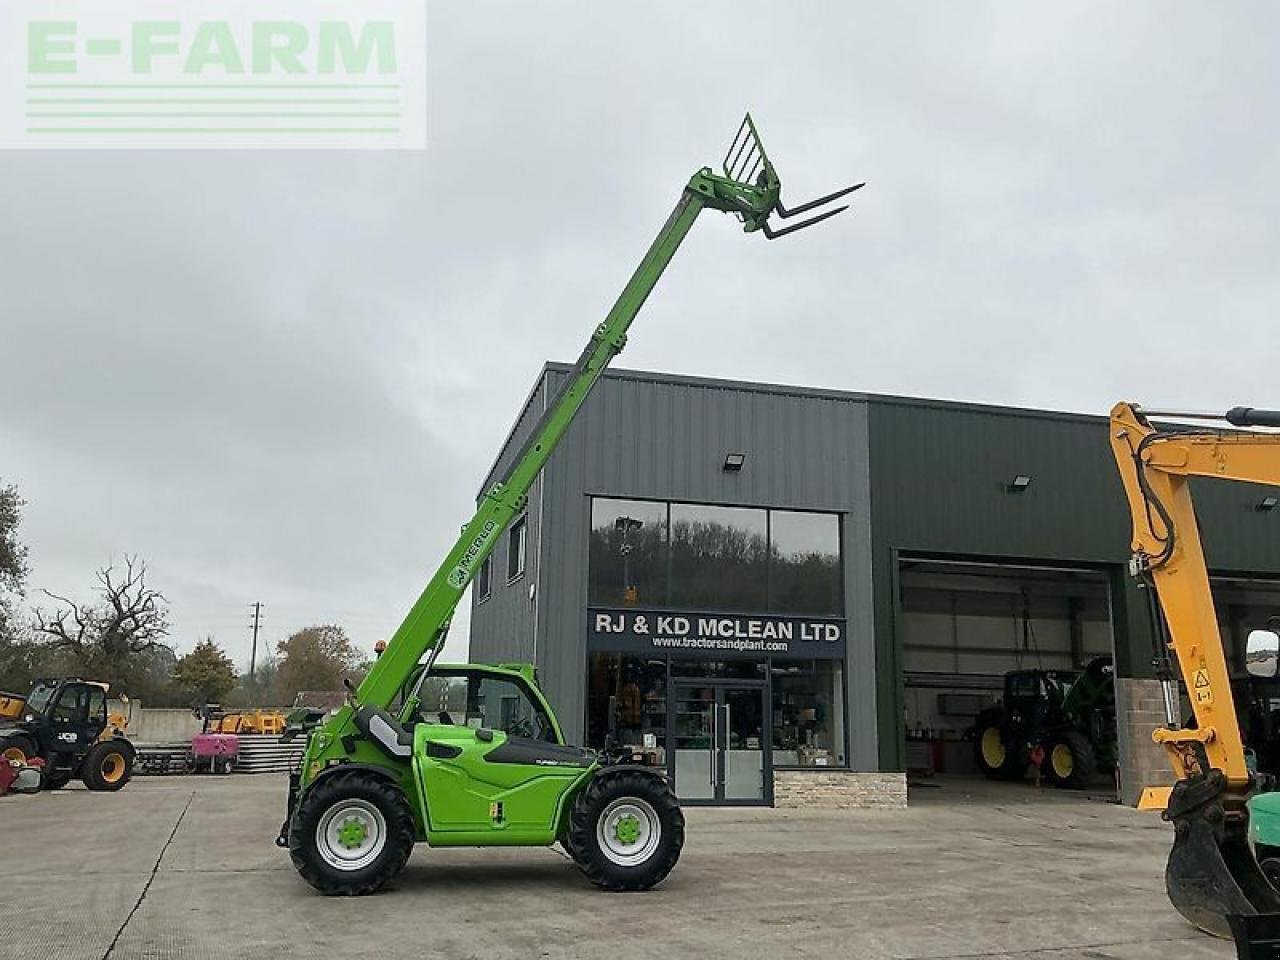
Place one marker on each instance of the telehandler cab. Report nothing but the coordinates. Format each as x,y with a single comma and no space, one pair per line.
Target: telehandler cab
413,756
1212,877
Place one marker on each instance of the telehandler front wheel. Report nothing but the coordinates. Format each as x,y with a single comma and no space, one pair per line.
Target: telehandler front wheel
351,834
626,830
107,766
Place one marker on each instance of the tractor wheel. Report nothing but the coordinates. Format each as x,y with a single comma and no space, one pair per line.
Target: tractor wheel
351,834
1069,761
994,756
21,748
626,831
107,766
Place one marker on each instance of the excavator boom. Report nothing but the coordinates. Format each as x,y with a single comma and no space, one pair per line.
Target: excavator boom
1212,873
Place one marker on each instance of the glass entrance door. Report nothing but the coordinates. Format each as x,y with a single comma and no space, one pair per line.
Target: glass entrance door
719,750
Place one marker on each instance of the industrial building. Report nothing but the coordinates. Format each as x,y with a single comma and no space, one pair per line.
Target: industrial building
782,593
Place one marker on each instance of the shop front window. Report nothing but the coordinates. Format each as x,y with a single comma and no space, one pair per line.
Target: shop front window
804,563
680,556
628,553
808,713
627,703
719,558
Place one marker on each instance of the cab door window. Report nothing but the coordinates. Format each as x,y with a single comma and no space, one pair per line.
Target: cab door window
479,700
504,705
96,714
71,705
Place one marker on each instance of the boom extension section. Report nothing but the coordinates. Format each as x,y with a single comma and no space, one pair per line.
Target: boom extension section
750,189
1212,873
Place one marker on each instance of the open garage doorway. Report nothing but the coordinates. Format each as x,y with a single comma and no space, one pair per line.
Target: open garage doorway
1008,677
1245,603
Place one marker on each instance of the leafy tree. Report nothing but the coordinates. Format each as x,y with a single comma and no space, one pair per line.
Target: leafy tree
119,637
260,690
22,659
13,559
316,658
206,674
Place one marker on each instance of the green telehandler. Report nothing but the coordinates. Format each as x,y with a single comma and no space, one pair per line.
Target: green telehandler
408,759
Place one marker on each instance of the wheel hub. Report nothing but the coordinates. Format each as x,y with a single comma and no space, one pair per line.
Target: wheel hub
352,833
993,751
1063,761
627,829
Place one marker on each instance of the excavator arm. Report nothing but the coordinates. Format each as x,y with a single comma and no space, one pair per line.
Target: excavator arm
1212,873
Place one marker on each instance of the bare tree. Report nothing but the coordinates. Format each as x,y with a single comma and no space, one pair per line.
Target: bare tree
109,635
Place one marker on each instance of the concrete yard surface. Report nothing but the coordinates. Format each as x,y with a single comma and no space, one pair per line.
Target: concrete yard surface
185,868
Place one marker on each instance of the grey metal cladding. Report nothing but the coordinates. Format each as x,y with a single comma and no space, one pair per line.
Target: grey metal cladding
940,478
940,473
651,436
502,627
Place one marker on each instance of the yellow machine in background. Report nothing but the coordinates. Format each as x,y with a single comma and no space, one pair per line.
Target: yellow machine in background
11,705
249,721
1212,873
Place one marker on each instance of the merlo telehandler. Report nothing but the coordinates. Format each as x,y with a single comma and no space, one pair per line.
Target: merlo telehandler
400,762
1213,876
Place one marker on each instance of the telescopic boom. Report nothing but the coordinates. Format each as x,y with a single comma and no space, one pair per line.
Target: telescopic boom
747,187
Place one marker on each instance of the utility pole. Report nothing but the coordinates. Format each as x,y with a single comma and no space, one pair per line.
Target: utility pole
257,621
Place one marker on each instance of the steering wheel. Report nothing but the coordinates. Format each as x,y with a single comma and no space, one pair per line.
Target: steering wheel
520,728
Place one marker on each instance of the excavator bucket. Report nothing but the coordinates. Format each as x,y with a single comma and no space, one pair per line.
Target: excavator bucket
746,162
1212,874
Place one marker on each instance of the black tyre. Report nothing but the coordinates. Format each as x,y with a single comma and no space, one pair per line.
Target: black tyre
18,747
1271,870
107,766
1069,761
351,834
995,757
56,779
626,830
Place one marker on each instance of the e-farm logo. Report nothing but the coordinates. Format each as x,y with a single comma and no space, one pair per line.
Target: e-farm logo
220,73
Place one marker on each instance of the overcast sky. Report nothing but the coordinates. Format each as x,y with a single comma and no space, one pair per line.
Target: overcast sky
281,376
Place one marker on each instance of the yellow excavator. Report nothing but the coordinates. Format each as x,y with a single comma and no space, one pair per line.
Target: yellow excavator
1212,876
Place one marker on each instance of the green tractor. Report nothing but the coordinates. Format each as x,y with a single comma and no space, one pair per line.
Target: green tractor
473,756
1062,721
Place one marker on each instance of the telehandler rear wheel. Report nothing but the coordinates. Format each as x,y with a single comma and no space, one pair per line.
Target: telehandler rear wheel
626,830
21,748
352,833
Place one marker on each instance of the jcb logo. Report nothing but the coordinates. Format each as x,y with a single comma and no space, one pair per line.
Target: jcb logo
67,737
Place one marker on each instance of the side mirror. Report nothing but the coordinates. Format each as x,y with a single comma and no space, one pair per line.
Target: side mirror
1262,653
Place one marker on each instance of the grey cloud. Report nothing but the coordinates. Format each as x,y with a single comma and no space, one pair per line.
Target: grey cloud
281,376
